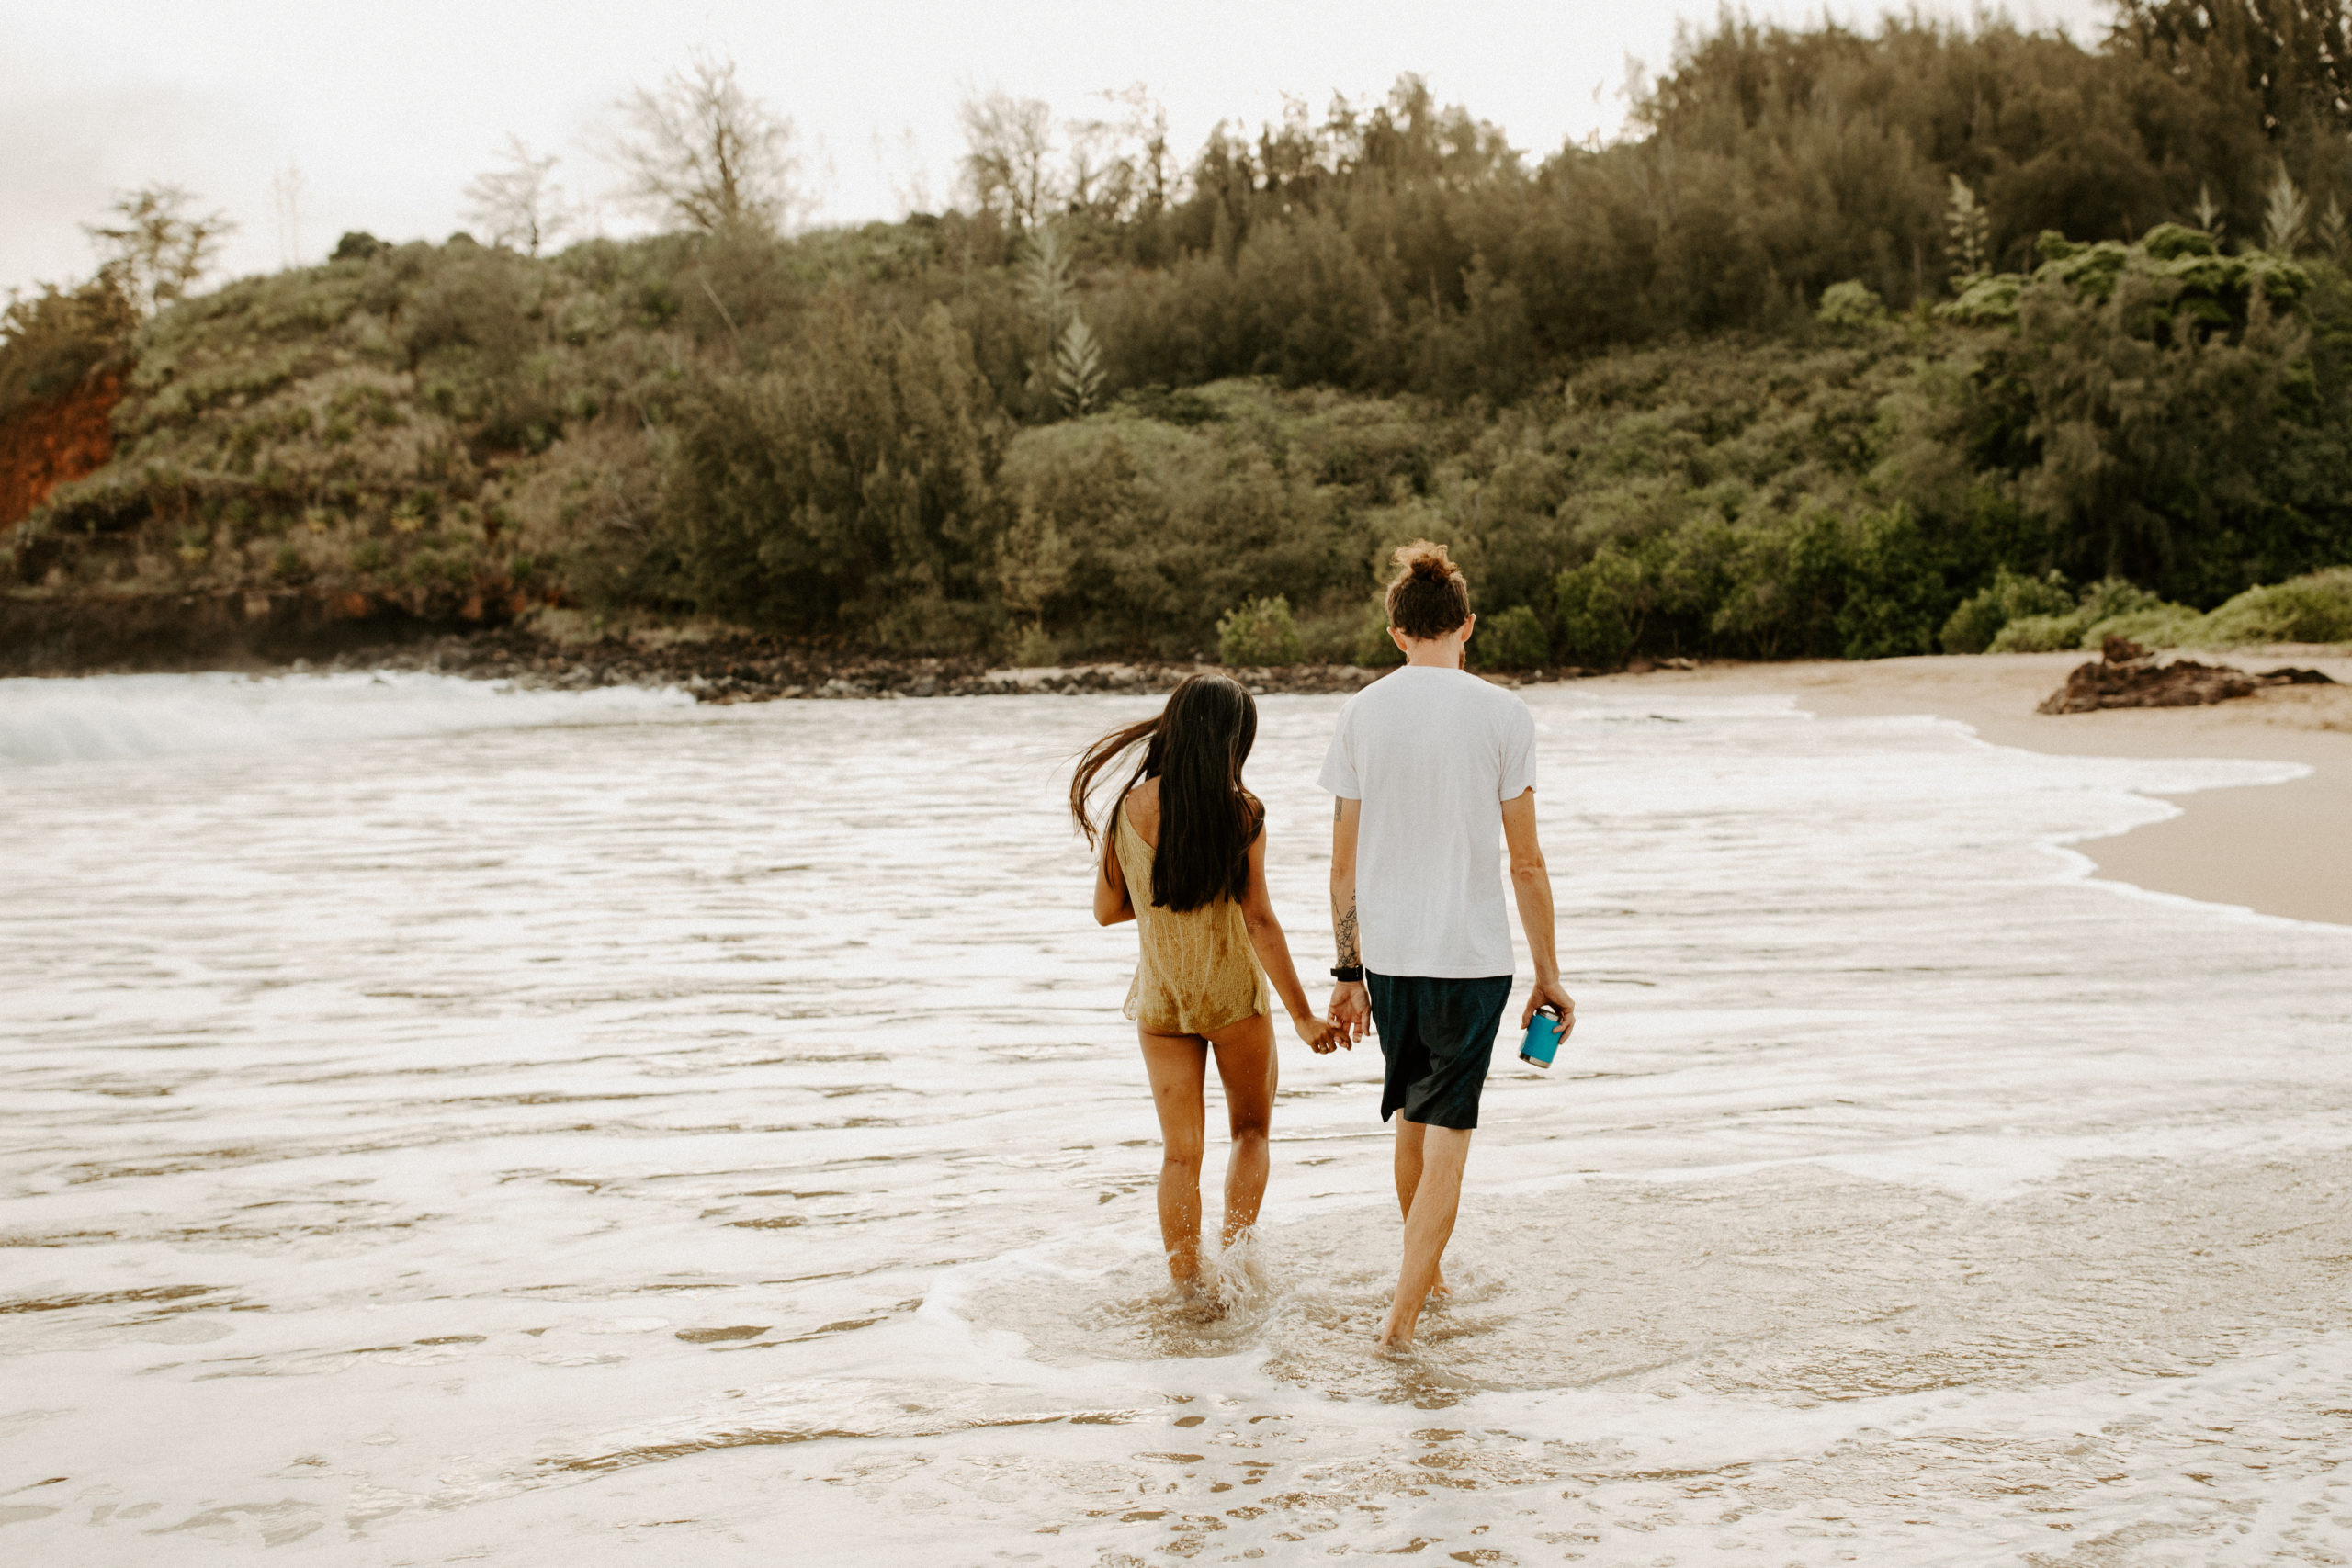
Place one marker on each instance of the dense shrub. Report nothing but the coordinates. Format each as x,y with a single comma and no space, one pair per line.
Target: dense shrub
1850,305
1828,585
2104,601
1514,639
1164,525
2316,608
854,486
2010,596
1374,647
1257,633
2158,626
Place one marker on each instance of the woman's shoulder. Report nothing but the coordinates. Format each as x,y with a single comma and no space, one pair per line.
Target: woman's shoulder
1141,806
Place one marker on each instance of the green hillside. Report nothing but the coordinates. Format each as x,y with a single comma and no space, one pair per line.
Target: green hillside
1857,332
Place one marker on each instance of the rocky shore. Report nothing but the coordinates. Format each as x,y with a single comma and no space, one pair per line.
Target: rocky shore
280,633
750,670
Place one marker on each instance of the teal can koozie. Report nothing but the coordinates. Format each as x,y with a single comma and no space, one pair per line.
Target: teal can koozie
1543,1037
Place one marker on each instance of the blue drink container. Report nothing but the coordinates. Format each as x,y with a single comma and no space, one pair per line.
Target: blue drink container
1542,1038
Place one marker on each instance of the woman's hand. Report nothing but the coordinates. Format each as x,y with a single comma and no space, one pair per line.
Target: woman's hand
1322,1036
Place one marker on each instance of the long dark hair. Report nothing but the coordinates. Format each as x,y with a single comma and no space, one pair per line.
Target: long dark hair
1207,821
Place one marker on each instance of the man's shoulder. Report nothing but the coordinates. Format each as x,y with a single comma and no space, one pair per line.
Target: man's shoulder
1506,704
1475,693
1448,688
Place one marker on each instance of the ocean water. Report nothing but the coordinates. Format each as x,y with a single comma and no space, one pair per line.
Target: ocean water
446,1124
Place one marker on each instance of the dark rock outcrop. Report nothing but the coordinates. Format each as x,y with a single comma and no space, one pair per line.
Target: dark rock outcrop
2126,675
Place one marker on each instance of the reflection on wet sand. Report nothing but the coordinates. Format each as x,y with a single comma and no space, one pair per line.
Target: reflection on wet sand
704,1133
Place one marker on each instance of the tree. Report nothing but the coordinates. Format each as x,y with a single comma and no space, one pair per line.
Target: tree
1147,125
2209,216
850,486
287,189
1969,230
50,341
2284,211
1044,277
1070,369
1078,367
700,153
520,205
1032,562
1009,143
1121,166
2161,378
155,254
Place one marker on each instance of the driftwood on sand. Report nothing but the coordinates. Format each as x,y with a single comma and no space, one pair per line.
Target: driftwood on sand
2128,676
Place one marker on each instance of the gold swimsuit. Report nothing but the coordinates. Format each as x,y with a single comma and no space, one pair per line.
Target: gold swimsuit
1197,971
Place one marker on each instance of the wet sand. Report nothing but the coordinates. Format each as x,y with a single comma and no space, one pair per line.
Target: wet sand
2276,849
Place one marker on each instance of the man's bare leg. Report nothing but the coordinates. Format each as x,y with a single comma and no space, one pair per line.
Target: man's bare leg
1409,1180
1428,1223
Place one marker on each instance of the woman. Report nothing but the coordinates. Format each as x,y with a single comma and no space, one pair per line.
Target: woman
1184,855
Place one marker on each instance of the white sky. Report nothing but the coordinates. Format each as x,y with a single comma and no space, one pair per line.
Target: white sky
389,108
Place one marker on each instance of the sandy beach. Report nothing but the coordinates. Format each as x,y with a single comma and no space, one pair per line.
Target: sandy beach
2277,849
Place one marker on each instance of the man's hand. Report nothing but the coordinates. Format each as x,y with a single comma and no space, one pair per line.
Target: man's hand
1351,1010
1546,993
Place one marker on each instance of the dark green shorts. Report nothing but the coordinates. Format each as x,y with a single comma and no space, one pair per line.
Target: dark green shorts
1438,1036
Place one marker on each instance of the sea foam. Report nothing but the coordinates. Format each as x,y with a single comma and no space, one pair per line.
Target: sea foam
116,717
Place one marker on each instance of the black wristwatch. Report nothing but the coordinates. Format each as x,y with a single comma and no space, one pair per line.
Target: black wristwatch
1349,974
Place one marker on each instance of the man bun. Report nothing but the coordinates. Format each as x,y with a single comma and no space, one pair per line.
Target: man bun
1429,597
1426,561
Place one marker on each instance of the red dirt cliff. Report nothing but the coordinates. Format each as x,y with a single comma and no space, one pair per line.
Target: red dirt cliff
44,445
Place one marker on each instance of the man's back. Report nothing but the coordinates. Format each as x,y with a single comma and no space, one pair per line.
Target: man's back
1432,754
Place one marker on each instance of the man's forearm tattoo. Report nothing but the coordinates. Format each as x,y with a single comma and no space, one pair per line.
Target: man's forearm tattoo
1343,921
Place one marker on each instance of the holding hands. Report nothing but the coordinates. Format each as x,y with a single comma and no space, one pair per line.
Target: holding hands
1351,1011
1322,1035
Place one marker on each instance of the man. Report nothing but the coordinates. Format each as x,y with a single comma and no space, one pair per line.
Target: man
1430,765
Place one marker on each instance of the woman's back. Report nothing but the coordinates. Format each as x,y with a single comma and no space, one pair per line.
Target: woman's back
1196,971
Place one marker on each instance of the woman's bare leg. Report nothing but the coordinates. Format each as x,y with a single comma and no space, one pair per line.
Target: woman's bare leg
1177,1063
1246,1065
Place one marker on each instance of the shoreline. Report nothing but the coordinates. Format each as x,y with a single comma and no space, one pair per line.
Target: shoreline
2282,849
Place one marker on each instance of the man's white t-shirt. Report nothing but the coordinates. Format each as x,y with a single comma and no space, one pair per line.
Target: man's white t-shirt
1432,754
